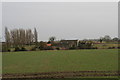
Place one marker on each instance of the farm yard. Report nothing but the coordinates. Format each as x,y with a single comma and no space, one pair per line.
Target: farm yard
61,39
26,57
61,62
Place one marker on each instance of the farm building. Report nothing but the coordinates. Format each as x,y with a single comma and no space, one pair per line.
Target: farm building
63,44
69,43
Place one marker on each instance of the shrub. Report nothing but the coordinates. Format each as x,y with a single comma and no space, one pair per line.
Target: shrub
9,50
95,48
23,49
42,45
118,47
71,48
17,49
111,47
85,45
4,48
58,48
48,48
33,49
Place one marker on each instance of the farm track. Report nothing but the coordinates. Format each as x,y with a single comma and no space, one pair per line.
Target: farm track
71,74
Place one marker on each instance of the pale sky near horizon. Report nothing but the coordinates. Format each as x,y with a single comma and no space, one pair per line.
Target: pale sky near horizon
64,20
60,0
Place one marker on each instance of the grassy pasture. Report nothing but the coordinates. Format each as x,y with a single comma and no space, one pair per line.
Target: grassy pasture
105,46
62,60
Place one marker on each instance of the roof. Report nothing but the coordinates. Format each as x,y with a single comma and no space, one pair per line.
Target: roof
68,40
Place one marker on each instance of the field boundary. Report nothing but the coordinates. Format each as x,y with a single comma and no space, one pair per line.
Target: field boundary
68,74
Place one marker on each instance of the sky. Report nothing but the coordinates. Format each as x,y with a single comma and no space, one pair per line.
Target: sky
64,20
60,0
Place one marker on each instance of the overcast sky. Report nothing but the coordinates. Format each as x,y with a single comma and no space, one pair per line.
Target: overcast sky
64,20
60,0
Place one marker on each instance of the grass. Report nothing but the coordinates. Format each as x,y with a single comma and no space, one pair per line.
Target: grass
105,46
62,60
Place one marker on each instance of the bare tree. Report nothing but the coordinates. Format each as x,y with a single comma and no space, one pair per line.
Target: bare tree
35,36
7,38
52,39
107,37
29,36
14,37
19,37
22,37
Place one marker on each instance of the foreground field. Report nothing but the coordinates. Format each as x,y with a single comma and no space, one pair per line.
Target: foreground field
57,61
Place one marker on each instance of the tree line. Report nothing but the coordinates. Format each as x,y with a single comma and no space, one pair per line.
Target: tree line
20,37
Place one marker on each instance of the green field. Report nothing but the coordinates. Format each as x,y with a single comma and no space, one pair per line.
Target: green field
61,60
105,46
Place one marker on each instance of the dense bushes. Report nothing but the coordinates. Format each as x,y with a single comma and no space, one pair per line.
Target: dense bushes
57,48
17,49
71,48
4,48
60,46
118,47
112,47
85,45
33,49
48,48
42,45
23,49
20,49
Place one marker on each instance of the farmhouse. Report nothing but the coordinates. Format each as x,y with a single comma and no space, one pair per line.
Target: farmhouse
69,43
63,44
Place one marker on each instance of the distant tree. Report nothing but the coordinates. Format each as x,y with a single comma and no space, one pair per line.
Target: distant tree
18,38
35,36
115,39
29,36
15,37
12,32
22,37
101,39
7,38
107,37
52,39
